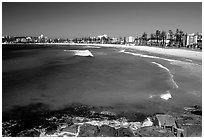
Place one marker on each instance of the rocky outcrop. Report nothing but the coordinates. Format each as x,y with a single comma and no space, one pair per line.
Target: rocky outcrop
191,121
81,121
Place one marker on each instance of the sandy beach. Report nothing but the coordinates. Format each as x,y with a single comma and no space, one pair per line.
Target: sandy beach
196,55
189,54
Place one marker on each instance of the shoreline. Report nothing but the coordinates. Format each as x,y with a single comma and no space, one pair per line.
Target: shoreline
196,55
189,54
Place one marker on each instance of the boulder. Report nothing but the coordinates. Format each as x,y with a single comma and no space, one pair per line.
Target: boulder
107,131
88,130
125,132
152,131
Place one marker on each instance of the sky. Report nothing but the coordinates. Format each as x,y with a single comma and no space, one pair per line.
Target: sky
69,20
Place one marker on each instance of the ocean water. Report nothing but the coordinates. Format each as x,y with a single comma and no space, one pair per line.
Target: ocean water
126,80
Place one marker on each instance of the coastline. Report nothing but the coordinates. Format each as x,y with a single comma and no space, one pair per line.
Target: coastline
79,120
189,54
173,52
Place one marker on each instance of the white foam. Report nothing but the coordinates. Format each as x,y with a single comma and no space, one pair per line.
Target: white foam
149,56
81,52
172,61
166,96
88,46
151,96
163,67
189,60
122,51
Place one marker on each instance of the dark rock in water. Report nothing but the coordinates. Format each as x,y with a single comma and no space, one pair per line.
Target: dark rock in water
29,133
107,131
78,110
197,112
88,130
125,132
51,129
196,109
134,117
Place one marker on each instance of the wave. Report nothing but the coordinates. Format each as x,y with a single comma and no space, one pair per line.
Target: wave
163,67
172,61
189,60
81,52
167,95
122,51
148,56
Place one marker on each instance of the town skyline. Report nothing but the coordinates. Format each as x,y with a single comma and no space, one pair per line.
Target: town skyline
70,20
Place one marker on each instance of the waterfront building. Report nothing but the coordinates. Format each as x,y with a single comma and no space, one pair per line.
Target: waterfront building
190,39
28,39
199,41
20,39
103,38
114,40
130,39
193,40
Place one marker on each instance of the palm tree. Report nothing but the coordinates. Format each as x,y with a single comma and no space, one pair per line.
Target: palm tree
144,38
151,37
157,36
163,36
181,34
177,37
171,34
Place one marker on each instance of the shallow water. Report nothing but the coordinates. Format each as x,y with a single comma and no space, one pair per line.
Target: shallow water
58,78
